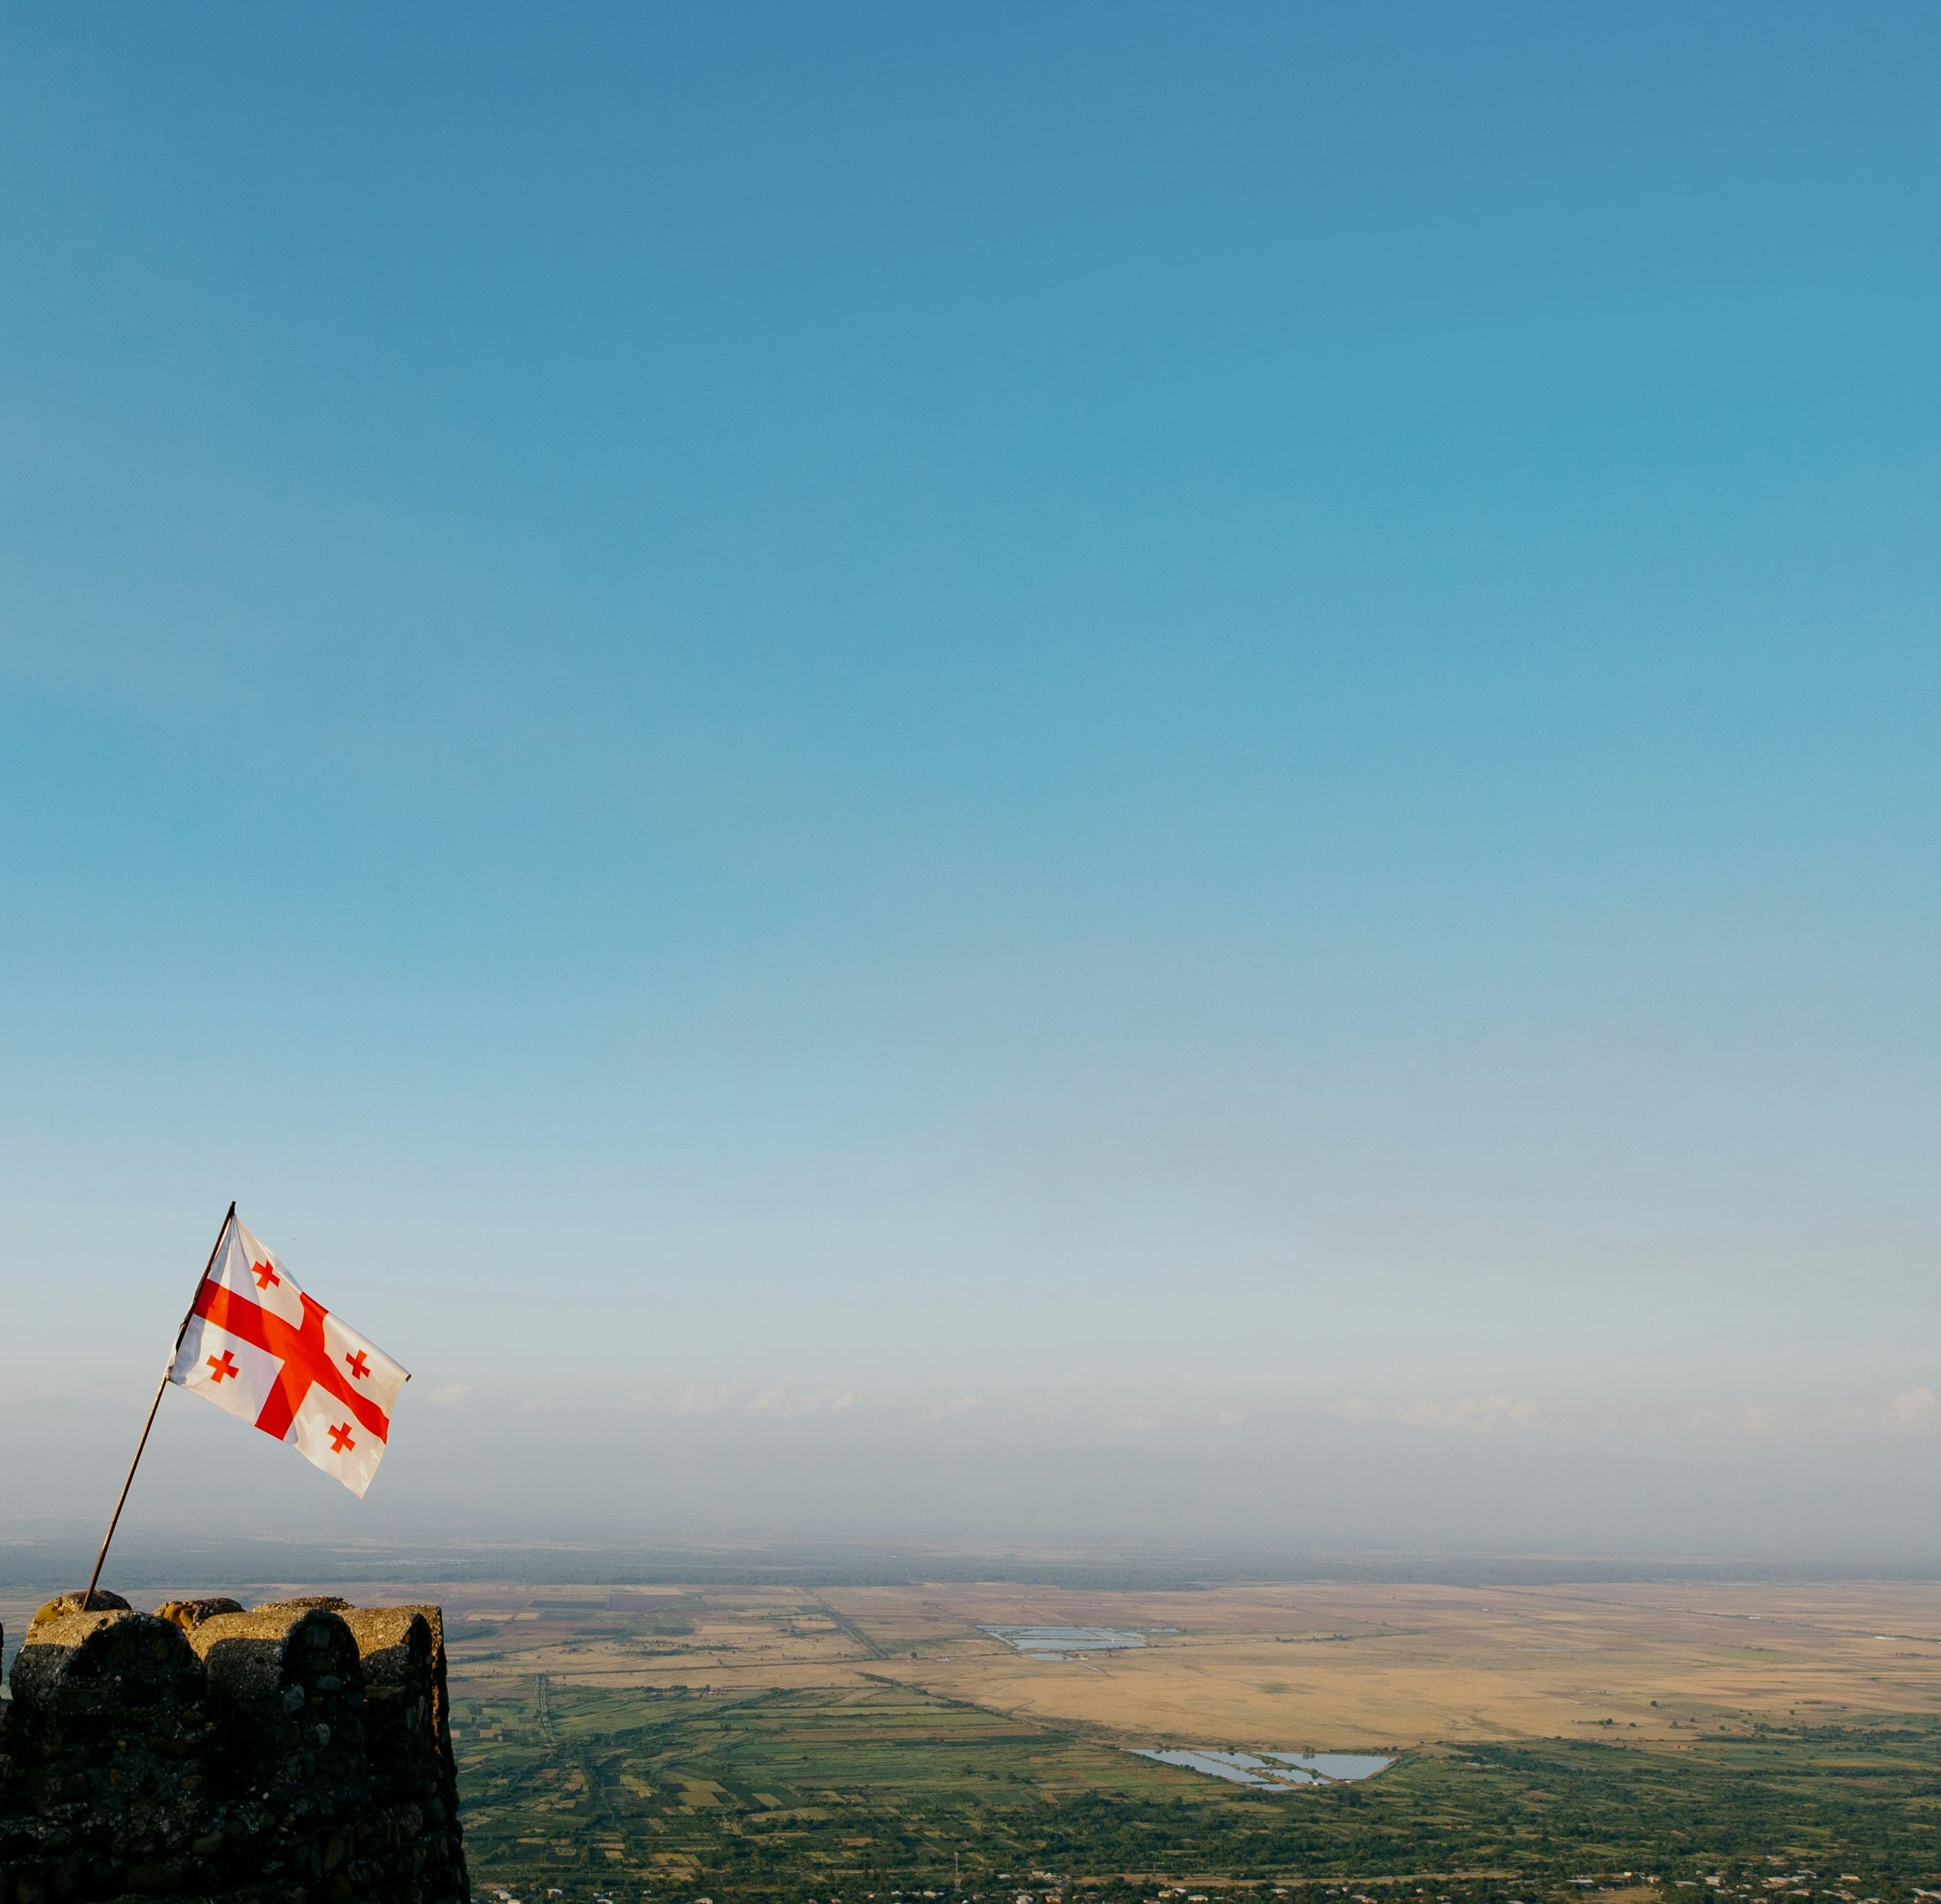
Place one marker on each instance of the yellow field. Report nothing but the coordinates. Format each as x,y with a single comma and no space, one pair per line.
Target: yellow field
1292,1668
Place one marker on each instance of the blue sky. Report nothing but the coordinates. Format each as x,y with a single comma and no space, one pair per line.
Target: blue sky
1223,719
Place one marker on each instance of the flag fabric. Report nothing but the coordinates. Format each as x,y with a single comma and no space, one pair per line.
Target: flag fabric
261,1349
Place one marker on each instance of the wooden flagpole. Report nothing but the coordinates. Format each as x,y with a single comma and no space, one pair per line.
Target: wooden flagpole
114,1520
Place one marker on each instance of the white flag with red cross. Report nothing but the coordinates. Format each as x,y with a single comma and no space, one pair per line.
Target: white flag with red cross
258,1348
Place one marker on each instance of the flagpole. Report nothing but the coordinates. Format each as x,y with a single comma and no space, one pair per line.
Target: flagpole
114,1520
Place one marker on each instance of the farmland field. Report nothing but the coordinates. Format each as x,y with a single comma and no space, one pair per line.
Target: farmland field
771,1742
819,1793
662,1744
1339,1667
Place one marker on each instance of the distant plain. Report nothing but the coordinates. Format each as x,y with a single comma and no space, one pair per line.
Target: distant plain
758,1739
1306,1665
1309,1667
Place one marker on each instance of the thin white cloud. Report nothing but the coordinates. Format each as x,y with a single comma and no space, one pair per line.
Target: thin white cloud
1913,1411
1755,1418
776,1402
1484,1415
954,1407
698,1398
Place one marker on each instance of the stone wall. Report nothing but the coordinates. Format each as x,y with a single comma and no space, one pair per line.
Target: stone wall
299,1753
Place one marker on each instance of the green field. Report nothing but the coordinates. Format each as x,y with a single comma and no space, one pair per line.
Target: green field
822,1794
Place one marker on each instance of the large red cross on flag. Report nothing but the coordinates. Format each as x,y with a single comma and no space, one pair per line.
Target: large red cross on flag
257,1346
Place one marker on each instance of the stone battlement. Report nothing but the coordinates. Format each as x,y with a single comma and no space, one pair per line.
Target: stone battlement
298,1753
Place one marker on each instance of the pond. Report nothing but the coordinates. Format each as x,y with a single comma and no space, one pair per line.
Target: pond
1061,1642
1275,1771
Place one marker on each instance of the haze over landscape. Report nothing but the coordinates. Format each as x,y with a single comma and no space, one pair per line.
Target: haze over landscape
1154,776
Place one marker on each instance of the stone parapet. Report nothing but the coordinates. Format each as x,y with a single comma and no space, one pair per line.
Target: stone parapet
300,1753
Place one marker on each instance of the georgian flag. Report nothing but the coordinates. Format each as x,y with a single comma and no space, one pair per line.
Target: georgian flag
258,1347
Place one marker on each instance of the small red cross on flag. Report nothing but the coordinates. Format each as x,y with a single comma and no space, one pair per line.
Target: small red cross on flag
258,1348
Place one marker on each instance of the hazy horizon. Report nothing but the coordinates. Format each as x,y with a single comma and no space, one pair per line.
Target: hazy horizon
1136,773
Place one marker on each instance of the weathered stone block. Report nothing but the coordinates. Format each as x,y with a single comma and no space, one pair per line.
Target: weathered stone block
189,1614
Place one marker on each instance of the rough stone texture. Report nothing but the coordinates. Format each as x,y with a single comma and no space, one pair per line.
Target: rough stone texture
441,1708
189,1614
299,1754
103,1602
